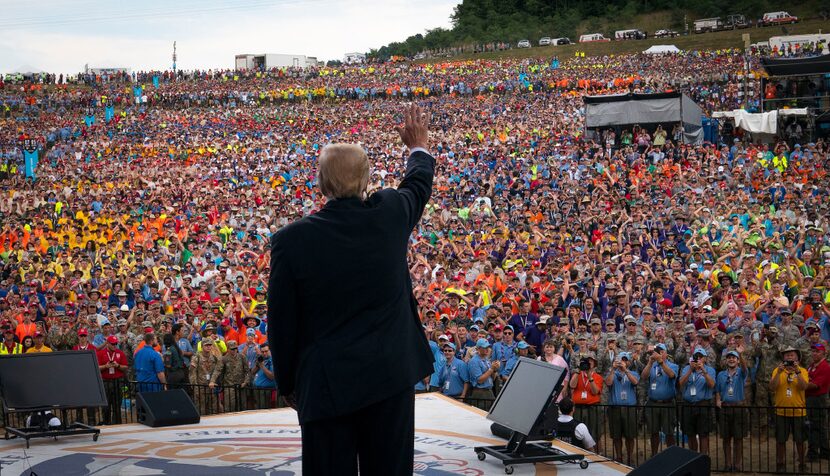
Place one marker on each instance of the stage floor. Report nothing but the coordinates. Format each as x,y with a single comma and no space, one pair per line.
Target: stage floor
266,443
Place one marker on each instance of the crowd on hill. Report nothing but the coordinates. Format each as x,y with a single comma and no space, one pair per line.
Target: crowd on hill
635,258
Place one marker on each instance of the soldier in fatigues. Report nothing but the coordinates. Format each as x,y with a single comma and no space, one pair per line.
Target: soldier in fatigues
769,351
63,337
235,376
205,369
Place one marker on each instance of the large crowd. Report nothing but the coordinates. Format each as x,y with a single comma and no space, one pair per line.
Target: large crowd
655,271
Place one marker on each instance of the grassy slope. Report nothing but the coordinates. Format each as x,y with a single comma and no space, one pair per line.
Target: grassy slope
650,23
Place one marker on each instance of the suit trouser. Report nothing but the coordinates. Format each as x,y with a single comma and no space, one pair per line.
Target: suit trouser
817,434
379,439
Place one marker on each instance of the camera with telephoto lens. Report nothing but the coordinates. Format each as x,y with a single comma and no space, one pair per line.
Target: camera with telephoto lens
260,359
789,363
584,365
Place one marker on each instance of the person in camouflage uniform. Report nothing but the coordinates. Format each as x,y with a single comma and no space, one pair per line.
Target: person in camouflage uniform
787,331
768,351
205,369
581,353
812,335
607,353
632,331
63,337
235,376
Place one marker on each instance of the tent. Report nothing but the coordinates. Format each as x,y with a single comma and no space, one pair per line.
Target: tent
661,49
760,122
617,110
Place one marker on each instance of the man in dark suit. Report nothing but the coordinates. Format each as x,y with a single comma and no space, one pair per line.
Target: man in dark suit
343,324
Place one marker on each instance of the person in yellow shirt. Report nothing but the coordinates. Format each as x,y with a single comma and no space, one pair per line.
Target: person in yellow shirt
788,385
39,345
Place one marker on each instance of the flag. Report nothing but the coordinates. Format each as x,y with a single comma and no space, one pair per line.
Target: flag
110,113
155,81
30,158
89,120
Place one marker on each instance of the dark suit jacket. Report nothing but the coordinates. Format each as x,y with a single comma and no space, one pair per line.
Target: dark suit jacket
342,321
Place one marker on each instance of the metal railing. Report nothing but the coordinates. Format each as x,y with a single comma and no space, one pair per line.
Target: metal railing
736,438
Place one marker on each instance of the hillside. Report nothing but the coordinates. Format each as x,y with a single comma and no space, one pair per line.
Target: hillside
707,41
488,21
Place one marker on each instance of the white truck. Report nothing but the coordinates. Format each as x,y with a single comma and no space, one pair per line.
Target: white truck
592,37
708,24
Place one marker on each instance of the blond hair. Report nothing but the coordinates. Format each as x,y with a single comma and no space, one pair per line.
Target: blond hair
343,171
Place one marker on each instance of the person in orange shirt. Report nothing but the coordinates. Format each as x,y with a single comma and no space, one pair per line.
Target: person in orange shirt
27,327
228,332
586,390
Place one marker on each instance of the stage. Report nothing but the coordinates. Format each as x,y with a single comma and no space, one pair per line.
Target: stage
267,443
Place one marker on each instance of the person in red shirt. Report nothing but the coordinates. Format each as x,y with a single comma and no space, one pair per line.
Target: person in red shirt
818,388
83,341
113,364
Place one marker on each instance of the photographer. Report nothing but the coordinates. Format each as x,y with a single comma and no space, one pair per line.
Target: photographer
586,389
731,389
622,383
661,375
788,385
263,377
697,383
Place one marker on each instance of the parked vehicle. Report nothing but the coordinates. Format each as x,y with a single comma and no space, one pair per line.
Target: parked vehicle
705,25
630,35
560,41
776,18
737,21
665,34
544,41
523,44
592,37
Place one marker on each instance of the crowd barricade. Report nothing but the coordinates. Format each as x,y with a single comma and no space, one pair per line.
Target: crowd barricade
122,403
616,427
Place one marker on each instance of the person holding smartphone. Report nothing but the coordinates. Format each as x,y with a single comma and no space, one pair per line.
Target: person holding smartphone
788,385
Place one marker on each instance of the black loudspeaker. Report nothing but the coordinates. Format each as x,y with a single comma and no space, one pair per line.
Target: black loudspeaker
168,408
542,430
675,461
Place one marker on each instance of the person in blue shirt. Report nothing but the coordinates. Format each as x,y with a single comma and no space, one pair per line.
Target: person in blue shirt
731,388
263,382
622,396
455,377
661,375
149,367
522,349
482,370
697,384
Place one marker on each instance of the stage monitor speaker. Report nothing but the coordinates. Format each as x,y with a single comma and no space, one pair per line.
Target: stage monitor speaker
168,408
75,374
675,461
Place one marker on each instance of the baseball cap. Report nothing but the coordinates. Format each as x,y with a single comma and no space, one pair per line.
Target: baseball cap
112,339
443,337
733,353
522,345
449,344
83,332
232,344
819,347
482,343
700,351
661,346
125,308
625,355
251,331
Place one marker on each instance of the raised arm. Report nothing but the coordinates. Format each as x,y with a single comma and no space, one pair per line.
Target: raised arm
416,186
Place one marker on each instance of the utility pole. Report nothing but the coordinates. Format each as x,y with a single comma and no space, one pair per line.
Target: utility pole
174,59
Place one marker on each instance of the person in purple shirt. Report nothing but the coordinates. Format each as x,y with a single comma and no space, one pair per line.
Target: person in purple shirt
524,320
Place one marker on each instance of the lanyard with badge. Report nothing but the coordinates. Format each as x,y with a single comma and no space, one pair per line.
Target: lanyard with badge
623,391
693,388
790,379
585,381
111,358
658,372
730,387
449,370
